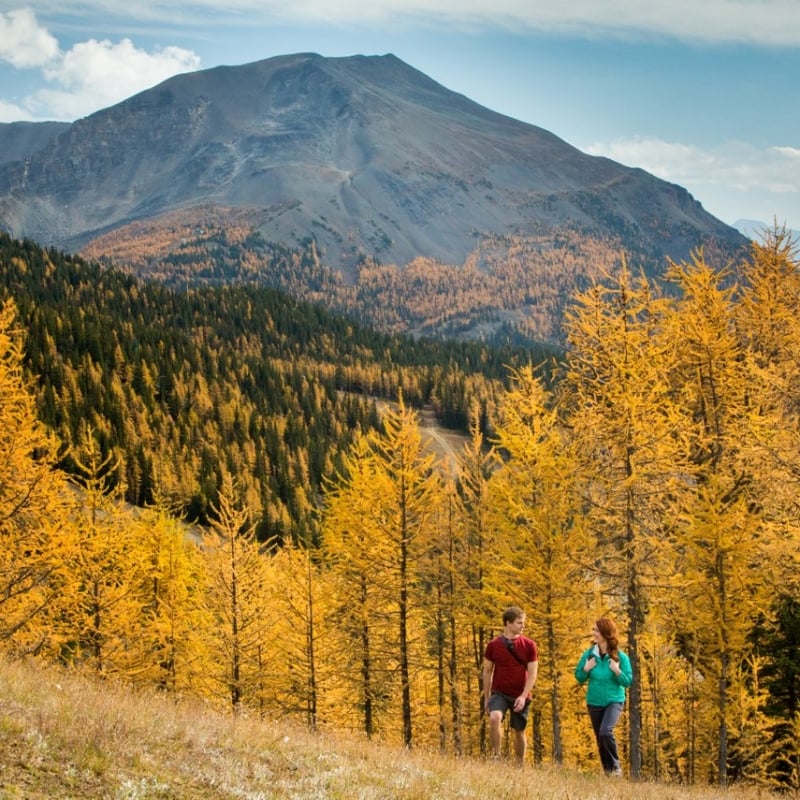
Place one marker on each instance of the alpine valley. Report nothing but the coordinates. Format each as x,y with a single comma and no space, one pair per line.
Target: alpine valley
357,182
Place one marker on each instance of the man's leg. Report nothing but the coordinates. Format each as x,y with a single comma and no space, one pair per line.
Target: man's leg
519,721
495,719
520,745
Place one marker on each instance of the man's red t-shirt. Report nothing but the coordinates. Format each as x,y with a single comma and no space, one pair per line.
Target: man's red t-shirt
510,669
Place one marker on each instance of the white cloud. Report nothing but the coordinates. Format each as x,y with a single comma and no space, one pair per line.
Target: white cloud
91,75
723,178
23,42
96,74
13,113
770,22
740,165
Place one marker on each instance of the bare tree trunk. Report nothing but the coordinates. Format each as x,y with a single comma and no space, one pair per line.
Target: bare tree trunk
635,691
555,700
366,668
635,620
405,672
312,671
722,759
455,697
440,693
478,647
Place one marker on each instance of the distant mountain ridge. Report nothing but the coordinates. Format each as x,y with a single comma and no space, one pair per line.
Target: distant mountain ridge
754,229
365,156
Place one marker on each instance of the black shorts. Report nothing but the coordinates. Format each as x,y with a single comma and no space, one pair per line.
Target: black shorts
502,702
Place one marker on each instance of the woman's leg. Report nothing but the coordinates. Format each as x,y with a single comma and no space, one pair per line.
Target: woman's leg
596,714
606,741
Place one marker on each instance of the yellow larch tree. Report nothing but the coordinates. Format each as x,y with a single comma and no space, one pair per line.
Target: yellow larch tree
544,547
406,514
627,429
34,539
725,536
101,609
363,606
768,321
441,574
385,507
297,675
174,641
236,590
479,609
673,721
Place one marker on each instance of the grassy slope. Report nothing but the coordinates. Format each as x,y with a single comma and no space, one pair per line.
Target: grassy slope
63,736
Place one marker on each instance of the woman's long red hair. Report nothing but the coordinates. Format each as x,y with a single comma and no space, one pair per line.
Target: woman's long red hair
608,630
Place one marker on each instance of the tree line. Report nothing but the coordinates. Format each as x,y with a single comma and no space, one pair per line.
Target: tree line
655,480
184,385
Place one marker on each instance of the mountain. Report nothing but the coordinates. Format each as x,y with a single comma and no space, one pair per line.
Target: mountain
20,140
364,156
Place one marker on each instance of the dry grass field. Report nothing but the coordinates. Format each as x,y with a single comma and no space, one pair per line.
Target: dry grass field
67,737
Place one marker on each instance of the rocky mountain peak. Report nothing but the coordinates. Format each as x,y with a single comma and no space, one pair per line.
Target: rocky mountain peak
365,156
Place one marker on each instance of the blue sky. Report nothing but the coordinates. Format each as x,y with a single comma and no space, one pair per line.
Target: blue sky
704,93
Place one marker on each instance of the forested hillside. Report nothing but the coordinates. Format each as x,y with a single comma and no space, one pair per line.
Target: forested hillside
512,288
656,481
184,386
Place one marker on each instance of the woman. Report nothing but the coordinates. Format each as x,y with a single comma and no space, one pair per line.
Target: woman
608,671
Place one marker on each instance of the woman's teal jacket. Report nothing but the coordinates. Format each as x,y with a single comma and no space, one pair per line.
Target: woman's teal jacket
604,686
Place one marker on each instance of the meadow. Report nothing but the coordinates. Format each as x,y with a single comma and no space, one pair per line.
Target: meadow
72,737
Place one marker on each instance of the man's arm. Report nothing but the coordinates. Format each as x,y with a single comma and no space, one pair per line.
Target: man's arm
488,671
530,679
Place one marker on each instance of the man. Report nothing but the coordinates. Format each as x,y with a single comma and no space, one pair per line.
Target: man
510,666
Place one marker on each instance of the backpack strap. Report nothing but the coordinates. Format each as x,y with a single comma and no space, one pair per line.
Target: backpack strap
510,646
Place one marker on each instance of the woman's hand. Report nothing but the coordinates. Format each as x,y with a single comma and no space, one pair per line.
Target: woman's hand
590,664
614,666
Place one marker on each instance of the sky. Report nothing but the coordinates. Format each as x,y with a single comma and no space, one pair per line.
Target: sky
702,93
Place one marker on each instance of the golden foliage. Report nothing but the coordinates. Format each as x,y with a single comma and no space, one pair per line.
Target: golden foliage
650,483
523,280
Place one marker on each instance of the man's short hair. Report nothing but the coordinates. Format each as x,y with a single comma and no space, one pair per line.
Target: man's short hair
512,614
